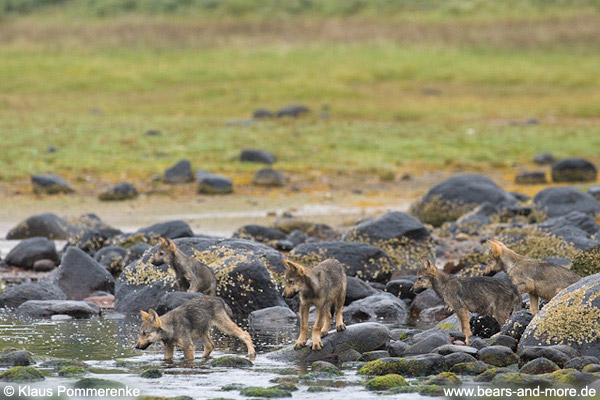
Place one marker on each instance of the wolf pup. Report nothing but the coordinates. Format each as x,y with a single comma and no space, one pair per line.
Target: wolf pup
537,277
189,322
191,274
323,286
482,295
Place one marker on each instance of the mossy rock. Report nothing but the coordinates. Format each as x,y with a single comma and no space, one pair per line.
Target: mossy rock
591,368
97,383
231,362
421,365
285,379
318,389
469,368
289,386
587,262
570,376
321,370
436,210
489,374
265,392
535,243
151,373
386,382
21,374
443,379
518,379
233,386
72,370
59,364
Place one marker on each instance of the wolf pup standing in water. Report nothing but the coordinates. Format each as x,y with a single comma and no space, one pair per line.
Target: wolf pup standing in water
323,286
482,295
189,322
191,274
539,278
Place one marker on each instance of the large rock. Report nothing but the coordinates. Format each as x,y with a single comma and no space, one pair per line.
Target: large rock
79,275
553,354
269,177
257,156
212,183
180,172
394,226
46,225
455,196
559,201
428,344
378,306
362,337
171,229
500,356
112,258
48,308
574,170
50,184
359,259
571,318
259,233
26,253
14,296
120,191
272,317
357,289
171,300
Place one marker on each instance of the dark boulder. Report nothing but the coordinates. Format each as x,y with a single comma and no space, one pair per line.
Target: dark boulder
531,178
294,110
26,253
272,317
16,358
458,358
574,170
359,259
257,156
500,356
378,306
120,191
269,177
550,353
171,229
262,113
426,299
212,183
559,201
579,363
401,288
171,300
14,296
50,184
357,289
44,225
79,275
112,257
539,366
180,172
428,344
484,326
259,233
570,318
544,159
394,226
447,349
503,340
48,308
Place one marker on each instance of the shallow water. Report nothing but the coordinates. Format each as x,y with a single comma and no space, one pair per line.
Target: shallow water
106,344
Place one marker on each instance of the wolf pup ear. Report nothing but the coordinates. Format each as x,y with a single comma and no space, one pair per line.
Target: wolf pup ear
496,248
144,314
154,318
162,241
430,266
171,244
299,269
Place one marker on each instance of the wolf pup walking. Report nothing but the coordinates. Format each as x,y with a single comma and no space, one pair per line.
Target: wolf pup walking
323,286
191,274
189,322
537,277
482,295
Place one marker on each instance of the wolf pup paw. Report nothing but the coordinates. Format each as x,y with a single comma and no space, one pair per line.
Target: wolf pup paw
340,327
317,344
252,356
299,344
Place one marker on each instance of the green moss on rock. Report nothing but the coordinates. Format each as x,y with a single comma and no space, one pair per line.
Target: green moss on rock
469,368
443,379
265,392
151,373
21,374
386,382
587,262
231,362
71,371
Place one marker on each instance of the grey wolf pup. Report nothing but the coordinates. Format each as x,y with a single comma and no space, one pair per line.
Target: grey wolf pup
482,295
541,279
191,274
189,322
323,286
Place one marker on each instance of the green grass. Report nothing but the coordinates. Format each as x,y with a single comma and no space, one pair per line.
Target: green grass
167,73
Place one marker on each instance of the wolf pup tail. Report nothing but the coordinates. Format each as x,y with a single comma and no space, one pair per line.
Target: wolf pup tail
227,308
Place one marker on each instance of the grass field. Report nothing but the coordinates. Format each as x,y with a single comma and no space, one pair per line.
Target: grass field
402,90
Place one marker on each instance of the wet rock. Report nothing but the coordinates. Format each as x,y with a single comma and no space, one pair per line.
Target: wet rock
544,159
21,374
378,306
574,170
373,355
428,344
179,173
570,318
458,358
539,366
469,368
262,113
14,296
79,275
531,178
120,191
489,374
385,382
434,314
361,337
447,349
426,299
396,348
500,356
171,300
477,342
231,362
48,308
135,252
269,177
484,326
359,259
295,110
50,184
14,358
413,366
131,298
558,201
272,317
171,229
259,233
401,288
516,324
257,156
517,379
392,226
209,183
571,377
44,265
455,196
348,356
579,363
26,253
111,257
443,379
594,191
44,225
504,340
357,289
552,354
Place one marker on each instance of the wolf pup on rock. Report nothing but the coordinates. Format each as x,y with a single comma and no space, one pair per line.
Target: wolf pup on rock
482,295
191,274
189,322
537,277
323,286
